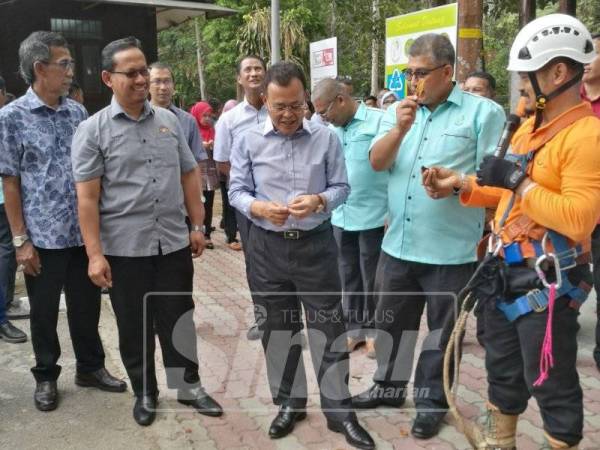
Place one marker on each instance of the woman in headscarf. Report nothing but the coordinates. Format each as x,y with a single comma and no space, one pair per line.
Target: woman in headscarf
203,113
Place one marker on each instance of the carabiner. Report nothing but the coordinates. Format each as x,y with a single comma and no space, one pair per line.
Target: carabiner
542,275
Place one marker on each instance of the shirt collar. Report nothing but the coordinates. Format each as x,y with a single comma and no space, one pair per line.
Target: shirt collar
34,102
361,112
456,96
269,128
116,110
246,104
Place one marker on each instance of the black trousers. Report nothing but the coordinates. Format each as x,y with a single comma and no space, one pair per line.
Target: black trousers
358,253
404,288
512,362
229,216
209,197
64,269
154,294
286,275
596,273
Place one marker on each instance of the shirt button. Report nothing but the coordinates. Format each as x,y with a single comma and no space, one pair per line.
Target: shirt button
154,179
430,120
424,138
414,176
156,201
156,220
144,141
149,160
407,219
409,197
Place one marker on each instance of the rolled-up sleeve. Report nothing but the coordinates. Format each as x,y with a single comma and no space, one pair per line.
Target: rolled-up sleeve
223,140
241,186
10,146
338,189
86,155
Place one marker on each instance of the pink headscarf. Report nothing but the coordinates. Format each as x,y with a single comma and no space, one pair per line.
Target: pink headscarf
198,110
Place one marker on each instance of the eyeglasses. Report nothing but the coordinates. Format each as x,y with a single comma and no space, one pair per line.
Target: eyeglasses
65,64
294,109
132,74
158,82
419,73
324,114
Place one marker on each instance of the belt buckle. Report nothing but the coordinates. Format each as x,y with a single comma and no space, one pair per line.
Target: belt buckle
569,255
533,300
291,234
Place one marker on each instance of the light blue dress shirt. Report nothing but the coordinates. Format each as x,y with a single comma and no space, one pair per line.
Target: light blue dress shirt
268,166
457,135
232,124
366,206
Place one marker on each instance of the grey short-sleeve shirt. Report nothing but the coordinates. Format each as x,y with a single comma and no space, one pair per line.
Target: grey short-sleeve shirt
140,163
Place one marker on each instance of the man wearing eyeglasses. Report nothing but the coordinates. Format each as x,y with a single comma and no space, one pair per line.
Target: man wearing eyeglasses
136,176
35,147
287,175
429,247
358,222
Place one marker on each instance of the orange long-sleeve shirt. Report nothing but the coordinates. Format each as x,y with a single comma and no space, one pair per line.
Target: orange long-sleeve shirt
567,172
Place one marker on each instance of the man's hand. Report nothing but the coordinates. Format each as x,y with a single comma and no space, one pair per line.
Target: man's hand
197,243
99,271
406,112
440,182
208,145
274,212
304,205
499,172
29,259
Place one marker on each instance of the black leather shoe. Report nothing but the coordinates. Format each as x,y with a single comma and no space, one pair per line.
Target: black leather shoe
10,333
355,434
426,425
46,396
202,402
284,421
378,395
100,379
253,333
144,409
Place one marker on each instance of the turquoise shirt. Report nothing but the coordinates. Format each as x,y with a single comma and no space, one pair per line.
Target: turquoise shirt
456,135
366,206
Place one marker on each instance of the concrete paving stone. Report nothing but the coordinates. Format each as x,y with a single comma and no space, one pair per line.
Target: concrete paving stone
527,428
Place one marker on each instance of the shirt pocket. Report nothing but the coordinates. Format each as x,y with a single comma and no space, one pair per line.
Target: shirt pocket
359,147
167,150
456,145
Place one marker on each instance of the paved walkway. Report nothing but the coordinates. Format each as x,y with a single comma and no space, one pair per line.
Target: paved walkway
233,369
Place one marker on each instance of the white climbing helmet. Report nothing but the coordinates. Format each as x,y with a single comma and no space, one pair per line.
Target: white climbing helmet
549,37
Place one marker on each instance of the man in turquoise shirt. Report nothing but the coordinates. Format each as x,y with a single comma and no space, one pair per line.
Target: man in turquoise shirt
430,245
358,222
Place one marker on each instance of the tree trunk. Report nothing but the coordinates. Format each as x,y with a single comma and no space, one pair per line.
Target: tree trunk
567,7
526,15
333,19
203,95
470,38
375,49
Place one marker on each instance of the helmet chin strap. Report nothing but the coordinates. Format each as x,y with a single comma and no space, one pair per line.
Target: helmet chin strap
541,99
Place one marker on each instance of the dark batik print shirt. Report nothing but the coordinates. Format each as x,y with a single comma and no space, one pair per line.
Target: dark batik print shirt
35,145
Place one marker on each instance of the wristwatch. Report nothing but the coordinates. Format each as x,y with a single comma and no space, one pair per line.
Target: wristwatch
19,241
198,228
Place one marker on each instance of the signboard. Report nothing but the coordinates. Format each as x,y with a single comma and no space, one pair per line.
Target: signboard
323,60
401,32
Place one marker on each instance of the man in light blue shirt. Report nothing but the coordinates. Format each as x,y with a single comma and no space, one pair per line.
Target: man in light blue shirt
430,244
358,222
286,177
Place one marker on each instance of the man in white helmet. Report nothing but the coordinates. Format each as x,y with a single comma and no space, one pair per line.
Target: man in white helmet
548,195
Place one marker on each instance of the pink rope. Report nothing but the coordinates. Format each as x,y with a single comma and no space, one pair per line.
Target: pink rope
546,357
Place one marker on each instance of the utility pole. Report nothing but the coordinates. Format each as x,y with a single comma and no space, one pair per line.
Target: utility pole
470,37
375,49
199,60
275,32
567,7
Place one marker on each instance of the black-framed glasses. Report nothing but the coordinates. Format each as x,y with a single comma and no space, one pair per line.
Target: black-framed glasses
133,74
324,114
160,81
420,73
65,64
295,108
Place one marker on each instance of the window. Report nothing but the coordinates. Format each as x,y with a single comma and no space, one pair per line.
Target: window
77,29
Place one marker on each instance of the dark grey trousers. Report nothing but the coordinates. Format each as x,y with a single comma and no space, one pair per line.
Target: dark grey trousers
286,275
358,253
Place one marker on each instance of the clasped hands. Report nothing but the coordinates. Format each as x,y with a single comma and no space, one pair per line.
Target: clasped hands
440,182
277,213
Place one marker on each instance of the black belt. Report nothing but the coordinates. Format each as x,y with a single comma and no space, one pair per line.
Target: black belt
301,234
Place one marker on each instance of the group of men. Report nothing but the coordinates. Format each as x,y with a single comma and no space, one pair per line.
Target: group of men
360,223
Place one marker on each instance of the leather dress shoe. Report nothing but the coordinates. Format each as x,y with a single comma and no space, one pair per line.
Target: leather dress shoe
198,399
144,409
378,395
10,333
284,422
426,425
46,396
100,379
355,434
